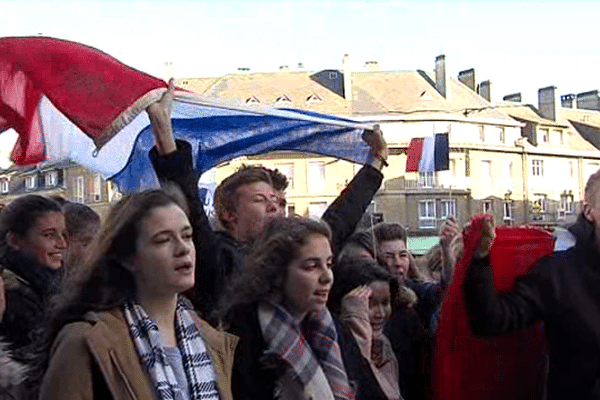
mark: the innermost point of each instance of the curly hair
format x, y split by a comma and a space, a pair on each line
351, 272
267, 262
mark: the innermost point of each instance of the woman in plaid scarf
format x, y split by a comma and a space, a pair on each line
123, 331
277, 306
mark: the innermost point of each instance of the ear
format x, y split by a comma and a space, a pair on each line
14, 241
230, 217
588, 212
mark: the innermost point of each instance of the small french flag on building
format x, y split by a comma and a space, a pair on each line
428, 154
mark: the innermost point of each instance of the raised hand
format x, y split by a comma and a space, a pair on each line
160, 118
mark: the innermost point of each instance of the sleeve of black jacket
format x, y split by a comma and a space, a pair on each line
178, 168
491, 313
346, 211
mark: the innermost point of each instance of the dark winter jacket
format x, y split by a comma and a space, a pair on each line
255, 377
28, 285
12, 374
219, 255
563, 290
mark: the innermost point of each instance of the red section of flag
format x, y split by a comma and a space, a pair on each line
510, 366
88, 86
413, 159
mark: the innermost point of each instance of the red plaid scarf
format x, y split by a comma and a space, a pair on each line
307, 347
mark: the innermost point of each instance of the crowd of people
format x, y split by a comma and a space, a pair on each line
152, 303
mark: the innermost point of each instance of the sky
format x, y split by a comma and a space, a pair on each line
518, 46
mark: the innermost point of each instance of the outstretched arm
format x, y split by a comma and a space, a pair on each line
348, 208
160, 118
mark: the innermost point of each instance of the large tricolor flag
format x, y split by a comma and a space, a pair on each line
68, 101
428, 154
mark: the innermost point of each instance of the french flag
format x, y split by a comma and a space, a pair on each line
68, 101
428, 154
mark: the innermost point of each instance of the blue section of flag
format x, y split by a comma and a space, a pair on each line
442, 152
218, 135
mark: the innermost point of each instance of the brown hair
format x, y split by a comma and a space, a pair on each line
225, 194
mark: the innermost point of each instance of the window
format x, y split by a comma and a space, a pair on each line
51, 179
507, 175
537, 168
252, 100
447, 208
97, 188
486, 169
481, 133
282, 99
427, 179
507, 212
427, 214
543, 136
558, 133
30, 182
288, 170
567, 204
539, 207
453, 167
80, 189
313, 98
502, 134
316, 210
333, 75
487, 207
290, 210
316, 176
4, 183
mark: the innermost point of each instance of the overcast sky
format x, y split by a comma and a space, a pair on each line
519, 46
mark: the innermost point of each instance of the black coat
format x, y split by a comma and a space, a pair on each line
219, 255
254, 376
563, 290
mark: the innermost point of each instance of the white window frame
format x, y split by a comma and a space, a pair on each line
544, 135
537, 168
487, 206
30, 182
427, 214
567, 204
316, 183
447, 208
79, 195
507, 211
97, 188
51, 178
427, 179
288, 170
4, 185
290, 210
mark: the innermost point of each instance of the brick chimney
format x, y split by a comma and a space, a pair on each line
568, 100
515, 97
347, 77
548, 102
589, 100
441, 76
467, 77
485, 90
284, 68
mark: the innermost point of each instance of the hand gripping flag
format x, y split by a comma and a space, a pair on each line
428, 154
68, 101
510, 366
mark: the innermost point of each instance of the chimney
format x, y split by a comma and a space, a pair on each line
347, 77
168, 71
440, 74
243, 69
467, 77
515, 97
485, 90
284, 68
372, 66
588, 100
300, 65
568, 100
548, 102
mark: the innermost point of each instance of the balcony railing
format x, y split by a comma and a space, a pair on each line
437, 183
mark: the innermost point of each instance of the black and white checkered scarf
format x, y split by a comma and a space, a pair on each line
196, 361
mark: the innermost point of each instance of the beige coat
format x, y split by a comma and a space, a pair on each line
103, 339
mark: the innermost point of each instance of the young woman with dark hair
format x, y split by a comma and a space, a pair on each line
123, 331
277, 306
32, 248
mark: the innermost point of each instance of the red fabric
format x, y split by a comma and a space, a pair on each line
413, 154
510, 366
88, 86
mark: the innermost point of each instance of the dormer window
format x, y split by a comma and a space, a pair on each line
333, 75
313, 98
283, 99
30, 182
51, 179
252, 100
